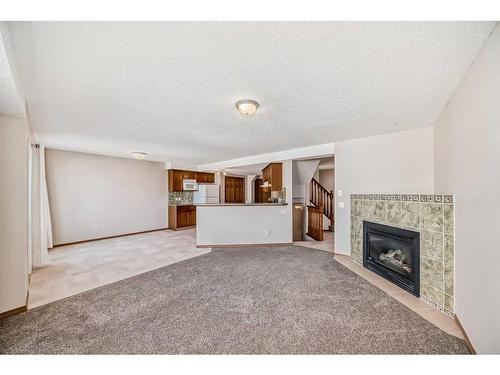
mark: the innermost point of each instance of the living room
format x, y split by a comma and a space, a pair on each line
205, 187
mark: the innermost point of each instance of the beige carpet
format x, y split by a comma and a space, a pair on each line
278, 300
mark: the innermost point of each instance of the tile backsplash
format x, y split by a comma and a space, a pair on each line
432, 215
180, 197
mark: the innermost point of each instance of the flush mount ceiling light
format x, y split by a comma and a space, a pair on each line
247, 107
139, 155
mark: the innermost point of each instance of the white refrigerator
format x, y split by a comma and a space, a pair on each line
206, 194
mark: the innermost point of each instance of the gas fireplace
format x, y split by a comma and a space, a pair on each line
394, 254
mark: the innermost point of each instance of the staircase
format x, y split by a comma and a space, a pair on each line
320, 197
322, 204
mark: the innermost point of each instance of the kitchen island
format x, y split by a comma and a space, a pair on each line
226, 224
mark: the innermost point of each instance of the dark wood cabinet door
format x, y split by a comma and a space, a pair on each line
192, 215
174, 180
257, 194
183, 216
191, 175
205, 178
273, 173
234, 189
200, 177
209, 178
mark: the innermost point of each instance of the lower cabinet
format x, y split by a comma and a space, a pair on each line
192, 215
181, 216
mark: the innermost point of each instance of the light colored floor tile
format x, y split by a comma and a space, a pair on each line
326, 244
78, 268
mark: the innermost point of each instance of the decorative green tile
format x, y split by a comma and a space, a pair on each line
432, 245
409, 214
448, 279
449, 252
357, 250
448, 198
379, 210
431, 293
431, 216
449, 303
358, 226
393, 212
353, 239
431, 272
449, 218
368, 209
357, 207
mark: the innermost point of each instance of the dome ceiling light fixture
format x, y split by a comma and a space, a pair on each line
247, 107
139, 155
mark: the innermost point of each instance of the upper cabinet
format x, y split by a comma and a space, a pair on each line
176, 176
273, 174
205, 178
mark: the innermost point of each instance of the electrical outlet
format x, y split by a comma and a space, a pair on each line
341, 204
266, 232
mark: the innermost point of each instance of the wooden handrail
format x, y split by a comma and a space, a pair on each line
320, 197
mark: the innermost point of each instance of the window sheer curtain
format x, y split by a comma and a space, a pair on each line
42, 225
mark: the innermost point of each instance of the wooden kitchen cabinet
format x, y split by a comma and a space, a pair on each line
205, 178
273, 174
181, 216
192, 215
176, 176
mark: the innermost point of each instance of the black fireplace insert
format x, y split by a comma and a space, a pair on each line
394, 254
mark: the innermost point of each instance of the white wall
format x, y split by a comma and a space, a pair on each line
249, 188
393, 163
467, 163
93, 196
15, 137
303, 172
326, 178
240, 224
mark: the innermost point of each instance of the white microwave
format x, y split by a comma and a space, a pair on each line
189, 184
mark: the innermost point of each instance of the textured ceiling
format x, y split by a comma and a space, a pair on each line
247, 170
169, 88
10, 99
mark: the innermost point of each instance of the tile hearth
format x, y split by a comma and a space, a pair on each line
432, 215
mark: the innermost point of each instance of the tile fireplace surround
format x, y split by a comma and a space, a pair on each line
432, 215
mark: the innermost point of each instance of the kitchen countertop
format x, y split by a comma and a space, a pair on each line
181, 204
241, 204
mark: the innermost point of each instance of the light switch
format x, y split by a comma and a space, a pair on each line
283, 212
340, 193
341, 204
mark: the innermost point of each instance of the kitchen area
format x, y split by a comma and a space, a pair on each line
233, 206
185, 188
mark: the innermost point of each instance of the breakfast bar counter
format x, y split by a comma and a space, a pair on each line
226, 224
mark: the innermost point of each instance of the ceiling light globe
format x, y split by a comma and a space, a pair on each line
247, 107
139, 155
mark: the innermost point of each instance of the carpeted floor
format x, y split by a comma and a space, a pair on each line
277, 300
